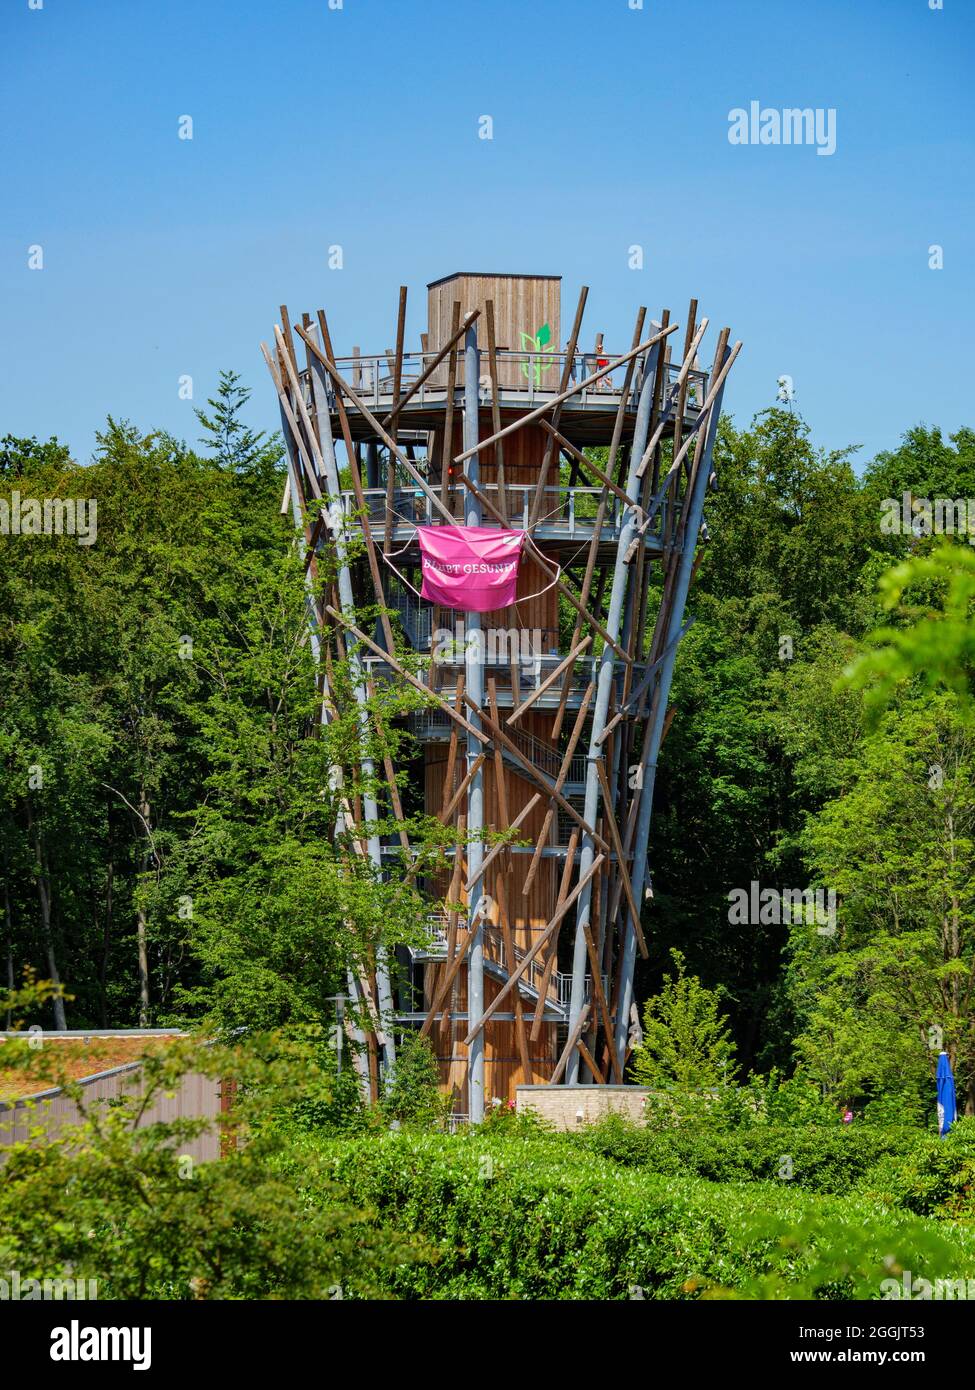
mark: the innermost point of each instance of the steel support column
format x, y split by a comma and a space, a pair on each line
474, 674
693, 516
607, 669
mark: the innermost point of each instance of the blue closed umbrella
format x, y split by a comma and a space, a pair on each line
947, 1109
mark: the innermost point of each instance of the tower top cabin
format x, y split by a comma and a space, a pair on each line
525, 306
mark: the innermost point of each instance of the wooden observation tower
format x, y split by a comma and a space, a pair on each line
543, 718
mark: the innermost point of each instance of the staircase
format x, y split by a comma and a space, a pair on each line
496, 964
415, 617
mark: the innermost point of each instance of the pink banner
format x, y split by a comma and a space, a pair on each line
469, 567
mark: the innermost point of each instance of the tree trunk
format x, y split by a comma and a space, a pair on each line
44, 898
107, 928
140, 918
9, 918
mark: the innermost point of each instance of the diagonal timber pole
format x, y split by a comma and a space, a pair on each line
604, 685
600, 515
374, 424
556, 401
347, 603
295, 497
693, 516
429, 370
570, 355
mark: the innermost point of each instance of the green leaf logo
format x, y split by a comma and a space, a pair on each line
537, 344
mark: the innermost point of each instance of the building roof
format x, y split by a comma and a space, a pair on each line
80, 1056
488, 275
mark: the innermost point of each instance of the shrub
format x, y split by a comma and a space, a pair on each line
341, 1109
543, 1218
899, 1165
414, 1096
931, 1176
686, 1043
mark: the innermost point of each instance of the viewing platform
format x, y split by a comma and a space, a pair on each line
434, 725
566, 524
526, 380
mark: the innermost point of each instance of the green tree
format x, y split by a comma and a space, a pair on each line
932, 639
140, 1217
898, 847
686, 1043
230, 441
414, 1097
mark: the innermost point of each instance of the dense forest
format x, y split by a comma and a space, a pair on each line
167, 834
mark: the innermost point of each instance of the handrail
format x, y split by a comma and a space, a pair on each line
531, 375
567, 510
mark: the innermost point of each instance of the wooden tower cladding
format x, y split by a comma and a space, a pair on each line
543, 721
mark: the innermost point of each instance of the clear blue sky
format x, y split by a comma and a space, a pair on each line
312, 126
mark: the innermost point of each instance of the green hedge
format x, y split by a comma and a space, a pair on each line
897, 1164
542, 1218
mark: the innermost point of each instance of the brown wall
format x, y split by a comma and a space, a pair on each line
522, 304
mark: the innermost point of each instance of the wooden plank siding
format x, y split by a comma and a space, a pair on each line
522, 304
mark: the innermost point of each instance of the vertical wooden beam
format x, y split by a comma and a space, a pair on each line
397, 374
448, 785
496, 409
550, 447
448, 428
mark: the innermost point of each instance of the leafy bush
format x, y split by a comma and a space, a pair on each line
543, 1218
900, 1165
686, 1040
790, 1100
502, 1118
117, 1200
414, 1097
338, 1108
932, 1176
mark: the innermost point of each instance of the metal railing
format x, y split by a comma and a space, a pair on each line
564, 824
559, 983
529, 378
531, 674
546, 758
566, 511
434, 725
415, 616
